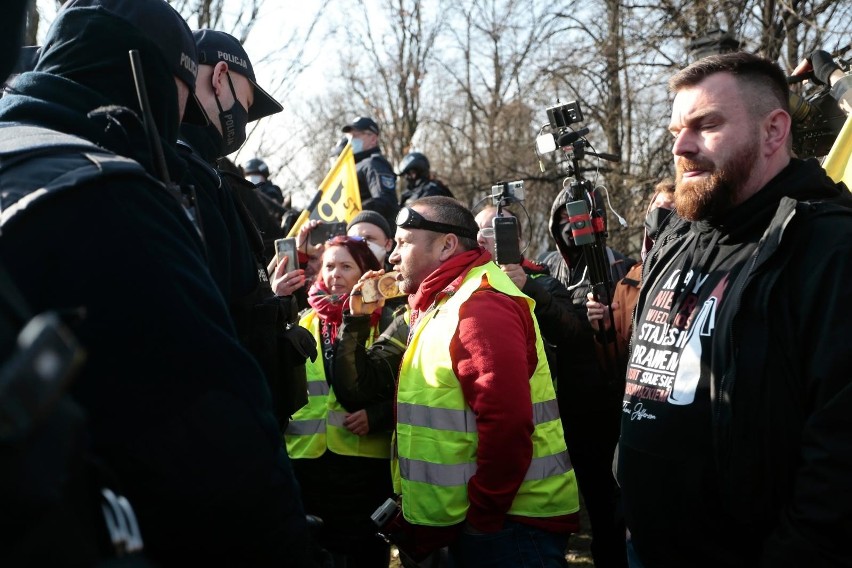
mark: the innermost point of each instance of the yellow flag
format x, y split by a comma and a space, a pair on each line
838, 163
338, 197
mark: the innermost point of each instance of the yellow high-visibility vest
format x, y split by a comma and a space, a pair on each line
436, 436
319, 424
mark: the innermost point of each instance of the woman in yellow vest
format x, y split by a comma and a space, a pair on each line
340, 442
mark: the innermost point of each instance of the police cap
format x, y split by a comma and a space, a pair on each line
362, 123
215, 46
167, 30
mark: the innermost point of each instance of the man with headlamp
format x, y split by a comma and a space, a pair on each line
485, 398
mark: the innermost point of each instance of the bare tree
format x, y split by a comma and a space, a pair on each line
491, 95
386, 73
212, 14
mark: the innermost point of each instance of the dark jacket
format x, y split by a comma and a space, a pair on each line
781, 393
266, 214
554, 310
271, 191
589, 391
423, 187
265, 323
578, 362
164, 366
228, 243
365, 377
377, 182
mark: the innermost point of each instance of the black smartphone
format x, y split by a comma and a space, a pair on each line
287, 247
507, 248
325, 231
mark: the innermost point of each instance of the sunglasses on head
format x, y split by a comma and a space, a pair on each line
408, 218
343, 239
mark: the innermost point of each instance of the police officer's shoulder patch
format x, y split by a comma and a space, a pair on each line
388, 182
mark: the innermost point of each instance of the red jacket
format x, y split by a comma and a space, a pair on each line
494, 355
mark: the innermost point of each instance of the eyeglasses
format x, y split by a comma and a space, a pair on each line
486, 233
408, 218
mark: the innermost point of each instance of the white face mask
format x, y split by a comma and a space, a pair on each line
255, 178
378, 250
357, 145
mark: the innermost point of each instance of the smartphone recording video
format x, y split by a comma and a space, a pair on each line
325, 231
287, 247
506, 240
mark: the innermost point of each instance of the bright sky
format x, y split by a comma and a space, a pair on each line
277, 21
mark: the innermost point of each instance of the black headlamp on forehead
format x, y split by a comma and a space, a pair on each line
408, 218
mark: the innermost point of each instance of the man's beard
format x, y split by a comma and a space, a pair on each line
407, 284
708, 198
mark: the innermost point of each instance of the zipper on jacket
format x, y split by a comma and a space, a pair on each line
723, 381
646, 264
726, 382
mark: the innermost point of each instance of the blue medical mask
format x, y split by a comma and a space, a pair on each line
357, 145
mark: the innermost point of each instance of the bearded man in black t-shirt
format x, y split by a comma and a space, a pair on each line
735, 422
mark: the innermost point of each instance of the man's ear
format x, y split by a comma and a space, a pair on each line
776, 130
373, 141
449, 246
219, 78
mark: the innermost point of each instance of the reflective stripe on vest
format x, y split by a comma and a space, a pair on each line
462, 420
319, 424
460, 474
436, 437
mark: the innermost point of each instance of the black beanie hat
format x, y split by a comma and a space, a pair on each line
373, 218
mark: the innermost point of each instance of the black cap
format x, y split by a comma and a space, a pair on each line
215, 46
363, 123
163, 26
167, 30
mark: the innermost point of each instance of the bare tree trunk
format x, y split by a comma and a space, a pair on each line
201, 14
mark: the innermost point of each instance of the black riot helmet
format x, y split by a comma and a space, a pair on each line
414, 162
256, 166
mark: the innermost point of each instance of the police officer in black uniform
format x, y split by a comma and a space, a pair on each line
376, 178
418, 182
278, 204
176, 408
235, 249
46, 507
257, 172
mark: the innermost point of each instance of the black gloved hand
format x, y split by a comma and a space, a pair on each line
823, 65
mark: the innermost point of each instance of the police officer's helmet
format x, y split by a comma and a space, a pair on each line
414, 162
256, 166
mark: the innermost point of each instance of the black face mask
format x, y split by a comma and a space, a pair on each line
655, 219
233, 122
567, 235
